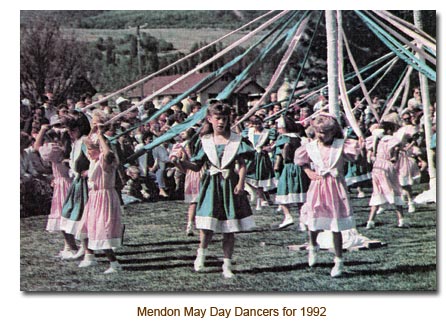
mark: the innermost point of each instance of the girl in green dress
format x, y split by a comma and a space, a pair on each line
222, 204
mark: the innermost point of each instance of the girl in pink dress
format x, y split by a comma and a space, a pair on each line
406, 165
192, 178
101, 227
386, 187
54, 151
327, 206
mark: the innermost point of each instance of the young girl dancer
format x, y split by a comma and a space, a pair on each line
328, 206
222, 204
386, 187
261, 177
55, 151
191, 180
101, 227
293, 183
406, 164
73, 207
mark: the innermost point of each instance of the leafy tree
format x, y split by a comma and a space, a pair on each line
48, 61
110, 51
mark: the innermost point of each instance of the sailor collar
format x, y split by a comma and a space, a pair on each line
262, 139
335, 153
229, 153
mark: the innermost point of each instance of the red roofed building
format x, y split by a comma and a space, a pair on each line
208, 90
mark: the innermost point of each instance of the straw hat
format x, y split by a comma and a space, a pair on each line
120, 100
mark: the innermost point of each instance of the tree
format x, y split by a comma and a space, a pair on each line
48, 61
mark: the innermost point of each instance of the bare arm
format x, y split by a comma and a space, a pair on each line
240, 187
184, 163
39, 139
106, 150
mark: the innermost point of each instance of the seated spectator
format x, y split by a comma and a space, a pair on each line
135, 189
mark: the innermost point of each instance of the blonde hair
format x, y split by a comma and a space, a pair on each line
92, 142
132, 169
327, 123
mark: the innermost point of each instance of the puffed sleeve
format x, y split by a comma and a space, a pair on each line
281, 141
245, 149
352, 150
51, 152
176, 150
392, 141
108, 167
199, 157
301, 157
272, 134
369, 141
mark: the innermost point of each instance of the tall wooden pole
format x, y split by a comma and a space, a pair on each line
138, 53
332, 62
424, 88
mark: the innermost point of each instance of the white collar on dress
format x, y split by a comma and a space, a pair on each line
335, 151
229, 153
262, 139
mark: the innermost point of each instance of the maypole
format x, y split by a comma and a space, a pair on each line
427, 118
332, 62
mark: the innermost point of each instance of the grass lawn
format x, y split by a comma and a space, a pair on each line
157, 256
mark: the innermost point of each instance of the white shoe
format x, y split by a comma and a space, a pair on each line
279, 209
67, 254
361, 195
302, 227
227, 273
312, 254
403, 223
411, 208
264, 203
258, 208
89, 260
286, 222
80, 253
370, 225
380, 210
114, 268
338, 268
199, 261
189, 230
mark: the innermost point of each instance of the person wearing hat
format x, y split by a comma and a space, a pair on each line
122, 103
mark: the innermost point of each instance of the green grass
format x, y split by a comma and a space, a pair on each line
157, 256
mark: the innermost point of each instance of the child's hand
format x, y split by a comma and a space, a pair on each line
312, 174
239, 189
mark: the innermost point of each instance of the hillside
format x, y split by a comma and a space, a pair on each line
154, 19
181, 38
